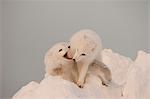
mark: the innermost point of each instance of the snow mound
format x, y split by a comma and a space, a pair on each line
57, 88
118, 65
130, 81
138, 81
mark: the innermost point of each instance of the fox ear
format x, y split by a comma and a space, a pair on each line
93, 46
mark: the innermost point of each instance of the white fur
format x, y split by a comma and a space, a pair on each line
57, 65
85, 42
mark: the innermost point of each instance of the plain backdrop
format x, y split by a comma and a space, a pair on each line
149, 26
0, 49
29, 28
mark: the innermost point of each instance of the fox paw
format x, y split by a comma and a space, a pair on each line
106, 83
80, 85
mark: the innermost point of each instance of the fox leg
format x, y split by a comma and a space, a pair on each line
102, 71
82, 68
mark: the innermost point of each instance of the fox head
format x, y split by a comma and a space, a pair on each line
56, 57
59, 51
84, 49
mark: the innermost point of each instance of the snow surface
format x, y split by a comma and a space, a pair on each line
131, 80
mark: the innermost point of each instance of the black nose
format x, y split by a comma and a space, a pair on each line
73, 59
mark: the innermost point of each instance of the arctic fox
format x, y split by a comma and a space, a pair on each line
85, 48
58, 64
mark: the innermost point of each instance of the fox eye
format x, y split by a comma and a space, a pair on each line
68, 46
60, 50
83, 54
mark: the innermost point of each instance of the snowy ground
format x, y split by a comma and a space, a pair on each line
131, 80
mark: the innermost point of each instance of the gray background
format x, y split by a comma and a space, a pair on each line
149, 26
30, 27
0, 50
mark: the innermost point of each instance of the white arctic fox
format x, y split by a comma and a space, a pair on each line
58, 64
85, 48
